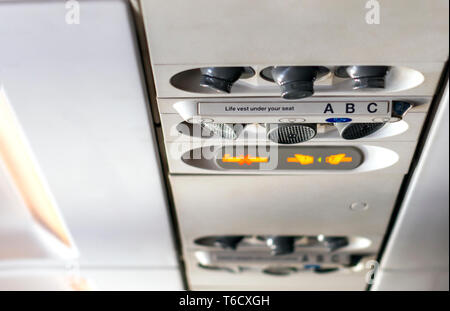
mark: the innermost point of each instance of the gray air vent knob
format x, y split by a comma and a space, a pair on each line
335, 243
220, 78
295, 81
281, 245
364, 76
228, 242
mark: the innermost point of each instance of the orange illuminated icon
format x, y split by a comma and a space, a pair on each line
247, 159
17, 158
302, 159
336, 159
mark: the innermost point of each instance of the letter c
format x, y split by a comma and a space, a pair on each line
372, 110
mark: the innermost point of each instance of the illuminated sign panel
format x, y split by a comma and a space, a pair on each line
279, 158
319, 158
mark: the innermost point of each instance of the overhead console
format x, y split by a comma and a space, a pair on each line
279, 144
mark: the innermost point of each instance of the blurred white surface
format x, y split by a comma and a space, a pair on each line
417, 254
91, 279
79, 94
20, 235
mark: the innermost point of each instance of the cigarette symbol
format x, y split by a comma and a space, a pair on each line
247, 159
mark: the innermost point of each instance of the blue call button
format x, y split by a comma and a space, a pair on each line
338, 120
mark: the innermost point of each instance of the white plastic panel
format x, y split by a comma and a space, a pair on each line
412, 280
417, 254
292, 32
284, 205
47, 279
79, 94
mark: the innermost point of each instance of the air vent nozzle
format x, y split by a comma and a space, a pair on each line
293, 133
358, 130
364, 76
220, 78
224, 130
281, 245
229, 242
295, 81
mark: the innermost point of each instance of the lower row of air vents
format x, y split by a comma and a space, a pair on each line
277, 244
281, 270
280, 254
286, 133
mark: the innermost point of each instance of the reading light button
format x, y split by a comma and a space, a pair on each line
381, 120
291, 120
359, 206
198, 120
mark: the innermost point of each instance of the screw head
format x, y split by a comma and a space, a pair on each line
359, 206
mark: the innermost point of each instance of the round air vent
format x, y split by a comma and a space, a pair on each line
358, 130
224, 130
193, 130
291, 133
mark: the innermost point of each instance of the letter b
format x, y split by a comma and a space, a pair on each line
349, 108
